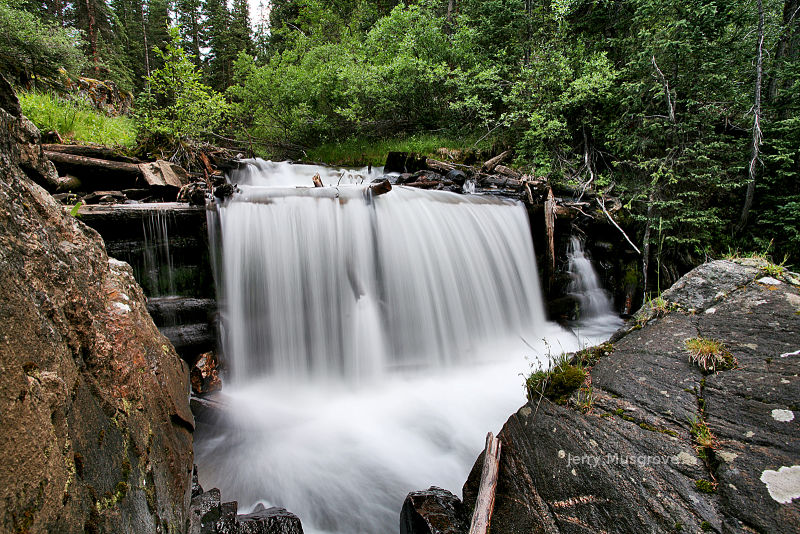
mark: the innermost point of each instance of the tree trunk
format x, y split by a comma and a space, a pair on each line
92, 35
646, 246
754, 149
146, 47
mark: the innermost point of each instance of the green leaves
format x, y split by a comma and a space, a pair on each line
176, 103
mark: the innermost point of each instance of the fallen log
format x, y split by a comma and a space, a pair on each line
425, 185
495, 161
439, 166
380, 187
484, 504
96, 173
507, 171
90, 151
499, 181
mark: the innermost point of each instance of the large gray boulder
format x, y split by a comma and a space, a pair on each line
95, 425
632, 462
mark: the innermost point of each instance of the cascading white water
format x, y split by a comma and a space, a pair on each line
596, 309
158, 269
371, 342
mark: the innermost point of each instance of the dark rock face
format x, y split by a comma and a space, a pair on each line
95, 425
632, 463
433, 511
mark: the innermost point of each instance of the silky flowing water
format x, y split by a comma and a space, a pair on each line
370, 342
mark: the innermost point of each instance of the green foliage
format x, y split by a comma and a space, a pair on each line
177, 104
557, 383
76, 120
32, 51
705, 486
360, 151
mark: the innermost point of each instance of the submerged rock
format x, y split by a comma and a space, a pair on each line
665, 447
96, 430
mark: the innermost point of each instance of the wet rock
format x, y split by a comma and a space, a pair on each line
270, 521
631, 463
197, 489
205, 374
96, 426
433, 511
204, 512
224, 191
456, 176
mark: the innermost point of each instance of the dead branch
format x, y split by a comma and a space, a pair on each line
628, 239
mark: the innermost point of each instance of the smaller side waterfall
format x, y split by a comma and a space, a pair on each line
585, 285
157, 269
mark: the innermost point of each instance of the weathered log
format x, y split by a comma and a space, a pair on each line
190, 340
495, 161
169, 311
439, 166
90, 151
507, 171
425, 184
484, 504
550, 227
96, 173
317, 181
164, 175
499, 181
380, 187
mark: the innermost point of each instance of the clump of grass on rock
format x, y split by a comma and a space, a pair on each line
709, 354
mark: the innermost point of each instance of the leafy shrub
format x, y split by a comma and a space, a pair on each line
177, 104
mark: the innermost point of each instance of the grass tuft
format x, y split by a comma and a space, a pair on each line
76, 120
710, 355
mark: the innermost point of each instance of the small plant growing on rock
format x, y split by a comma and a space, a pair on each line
710, 355
556, 383
703, 438
705, 486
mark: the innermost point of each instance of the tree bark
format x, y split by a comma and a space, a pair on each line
755, 147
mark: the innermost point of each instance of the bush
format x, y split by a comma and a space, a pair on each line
177, 105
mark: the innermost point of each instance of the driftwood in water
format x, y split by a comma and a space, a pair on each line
380, 187
550, 226
484, 504
317, 181
89, 151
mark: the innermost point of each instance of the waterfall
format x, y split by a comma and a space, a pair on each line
596, 309
370, 342
157, 269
